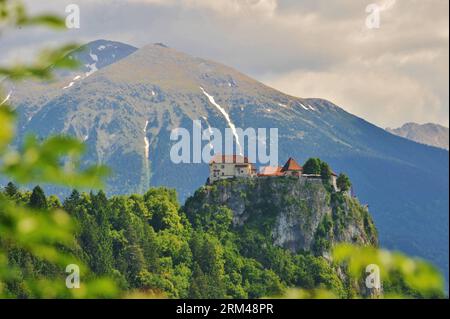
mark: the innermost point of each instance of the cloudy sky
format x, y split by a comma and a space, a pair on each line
389, 75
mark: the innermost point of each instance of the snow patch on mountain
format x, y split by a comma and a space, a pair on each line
78, 77
303, 106
227, 118
6, 98
97, 57
94, 57
146, 142
69, 85
92, 67
146, 175
310, 107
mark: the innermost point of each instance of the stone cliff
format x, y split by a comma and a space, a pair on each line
296, 214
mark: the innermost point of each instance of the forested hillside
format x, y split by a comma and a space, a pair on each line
148, 243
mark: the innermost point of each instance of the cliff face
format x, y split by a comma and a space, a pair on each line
297, 214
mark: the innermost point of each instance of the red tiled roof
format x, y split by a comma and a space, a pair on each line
235, 159
270, 171
291, 165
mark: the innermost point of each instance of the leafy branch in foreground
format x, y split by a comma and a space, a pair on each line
44, 237
415, 276
400, 276
13, 14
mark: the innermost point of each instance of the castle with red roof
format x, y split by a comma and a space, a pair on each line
235, 166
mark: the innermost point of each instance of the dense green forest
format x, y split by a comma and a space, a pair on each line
147, 244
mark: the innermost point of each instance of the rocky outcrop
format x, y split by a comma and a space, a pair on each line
297, 214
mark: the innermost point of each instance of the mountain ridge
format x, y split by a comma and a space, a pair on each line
429, 133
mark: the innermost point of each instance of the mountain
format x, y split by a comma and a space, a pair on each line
95, 56
430, 134
92, 57
125, 113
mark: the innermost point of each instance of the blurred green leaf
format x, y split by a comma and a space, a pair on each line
7, 126
14, 13
47, 20
47, 237
417, 274
44, 66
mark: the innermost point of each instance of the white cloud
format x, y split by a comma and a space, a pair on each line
370, 96
320, 48
226, 7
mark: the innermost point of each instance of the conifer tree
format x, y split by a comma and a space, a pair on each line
38, 199
11, 189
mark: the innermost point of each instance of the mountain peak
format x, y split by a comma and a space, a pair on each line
102, 53
92, 57
107, 43
176, 71
429, 133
